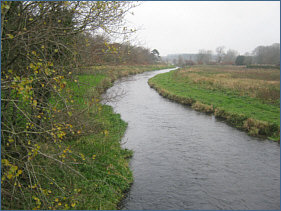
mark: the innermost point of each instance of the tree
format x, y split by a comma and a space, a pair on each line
155, 55
209, 54
267, 54
180, 61
204, 56
220, 53
201, 55
43, 43
155, 52
230, 55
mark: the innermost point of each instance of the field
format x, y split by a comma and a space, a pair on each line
248, 98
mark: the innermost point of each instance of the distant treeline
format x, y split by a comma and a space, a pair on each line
260, 55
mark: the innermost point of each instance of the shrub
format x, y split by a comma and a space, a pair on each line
243, 60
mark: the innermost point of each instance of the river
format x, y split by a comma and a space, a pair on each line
188, 160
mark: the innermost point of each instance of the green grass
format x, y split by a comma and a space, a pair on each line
236, 107
108, 174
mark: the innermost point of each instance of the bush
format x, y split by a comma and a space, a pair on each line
243, 60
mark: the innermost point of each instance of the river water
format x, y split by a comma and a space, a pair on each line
188, 160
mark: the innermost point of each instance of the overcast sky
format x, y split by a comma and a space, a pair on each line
187, 26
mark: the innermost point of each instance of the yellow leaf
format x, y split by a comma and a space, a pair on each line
11, 140
56, 199
10, 176
73, 204
10, 36
35, 102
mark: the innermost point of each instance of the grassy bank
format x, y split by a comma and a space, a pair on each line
247, 98
85, 167
107, 170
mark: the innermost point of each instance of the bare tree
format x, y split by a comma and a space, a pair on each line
230, 55
204, 56
180, 61
220, 53
267, 54
201, 55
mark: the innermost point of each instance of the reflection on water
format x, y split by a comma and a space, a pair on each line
184, 159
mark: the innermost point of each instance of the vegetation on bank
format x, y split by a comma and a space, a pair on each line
247, 98
89, 170
60, 148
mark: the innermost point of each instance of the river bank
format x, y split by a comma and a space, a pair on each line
106, 164
248, 99
81, 165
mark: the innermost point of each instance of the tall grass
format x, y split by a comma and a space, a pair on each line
257, 83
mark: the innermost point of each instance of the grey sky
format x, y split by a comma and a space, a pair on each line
187, 26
